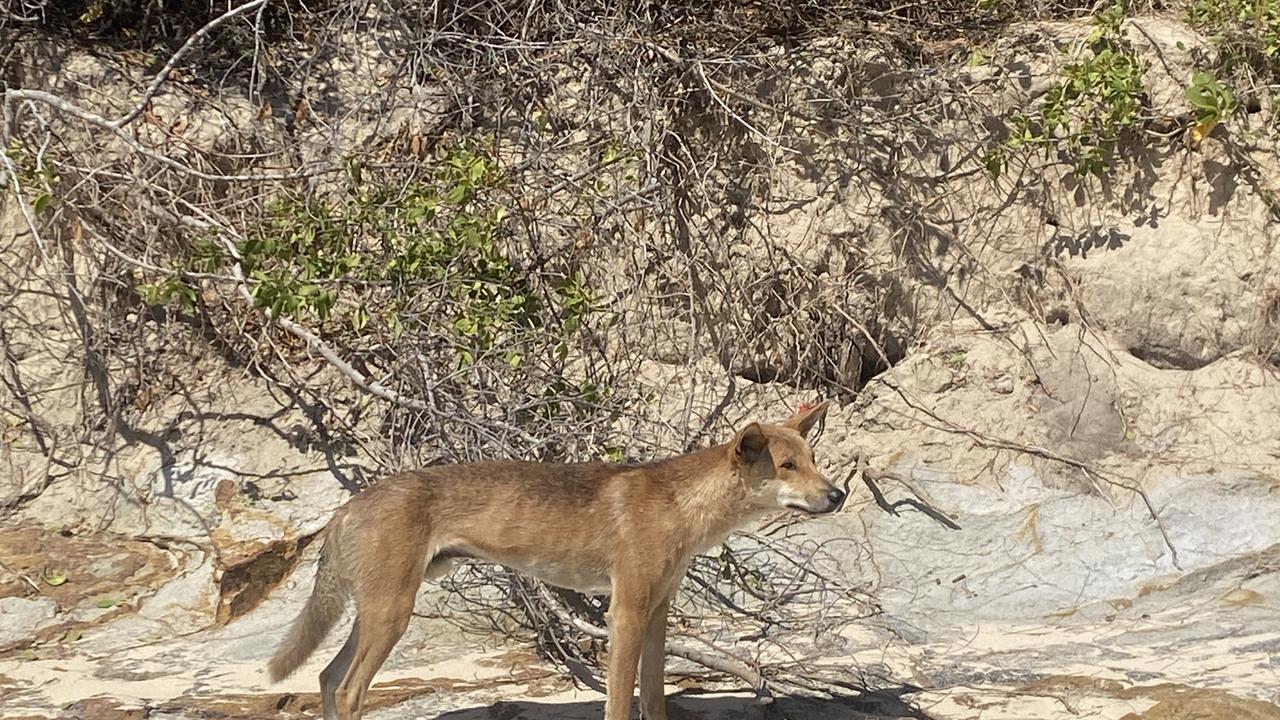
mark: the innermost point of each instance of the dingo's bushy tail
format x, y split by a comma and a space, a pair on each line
323, 609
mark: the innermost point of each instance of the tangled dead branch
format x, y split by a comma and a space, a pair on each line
776, 590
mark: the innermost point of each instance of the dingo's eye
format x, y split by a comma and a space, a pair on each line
788, 465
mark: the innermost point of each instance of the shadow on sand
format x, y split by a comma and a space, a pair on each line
687, 705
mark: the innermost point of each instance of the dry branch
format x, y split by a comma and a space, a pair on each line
870, 476
711, 658
196, 38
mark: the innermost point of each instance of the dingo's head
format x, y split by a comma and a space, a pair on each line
778, 465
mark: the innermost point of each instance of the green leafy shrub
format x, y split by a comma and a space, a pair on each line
1082, 117
400, 254
1248, 31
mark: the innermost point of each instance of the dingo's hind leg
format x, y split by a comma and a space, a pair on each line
384, 590
333, 674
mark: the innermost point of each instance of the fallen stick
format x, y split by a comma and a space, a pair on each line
869, 478
712, 659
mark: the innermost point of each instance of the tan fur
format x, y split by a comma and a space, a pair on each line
625, 531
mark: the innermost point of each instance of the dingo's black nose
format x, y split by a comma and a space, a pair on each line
836, 496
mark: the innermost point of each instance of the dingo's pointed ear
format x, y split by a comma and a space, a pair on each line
806, 417
750, 443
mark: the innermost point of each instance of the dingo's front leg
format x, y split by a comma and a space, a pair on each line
653, 660
628, 617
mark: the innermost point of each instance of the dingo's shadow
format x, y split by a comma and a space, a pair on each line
688, 705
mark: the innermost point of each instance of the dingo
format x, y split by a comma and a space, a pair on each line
628, 531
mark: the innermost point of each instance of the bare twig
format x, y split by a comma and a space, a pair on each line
21, 576
869, 477
195, 38
12, 98
710, 658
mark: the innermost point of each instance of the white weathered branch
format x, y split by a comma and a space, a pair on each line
191, 42
59, 103
719, 660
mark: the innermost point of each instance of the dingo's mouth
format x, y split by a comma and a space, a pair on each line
808, 510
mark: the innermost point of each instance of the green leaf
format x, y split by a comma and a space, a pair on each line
993, 160
359, 318
323, 304
40, 203
456, 195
